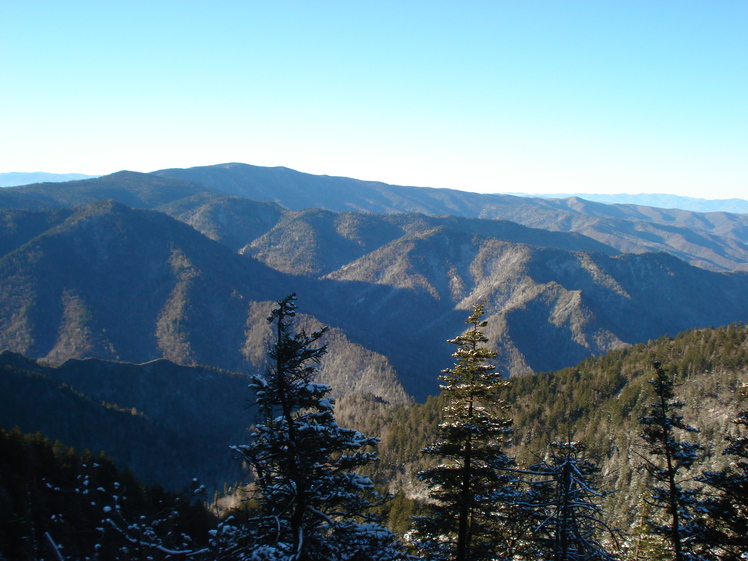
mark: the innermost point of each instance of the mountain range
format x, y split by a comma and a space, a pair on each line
714, 240
185, 264
659, 200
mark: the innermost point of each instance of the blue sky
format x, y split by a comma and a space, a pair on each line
531, 96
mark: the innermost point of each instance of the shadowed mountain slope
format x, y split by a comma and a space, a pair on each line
168, 423
18, 226
117, 283
233, 221
122, 284
542, 304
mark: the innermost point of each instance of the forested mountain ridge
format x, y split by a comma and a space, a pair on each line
597, 402
113, 282
715, 240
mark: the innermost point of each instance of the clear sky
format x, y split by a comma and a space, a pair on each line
554, 96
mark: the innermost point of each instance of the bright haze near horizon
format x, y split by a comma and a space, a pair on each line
488, 96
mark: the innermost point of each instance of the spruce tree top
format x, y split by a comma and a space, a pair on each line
472, 376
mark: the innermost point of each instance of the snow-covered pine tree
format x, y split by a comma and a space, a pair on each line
669, 460
471, 492
569, 522
726, 511
312, 506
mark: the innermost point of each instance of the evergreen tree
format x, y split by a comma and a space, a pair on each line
472, 491
670, 459
311, 505
643, 543
569, 518
727, 511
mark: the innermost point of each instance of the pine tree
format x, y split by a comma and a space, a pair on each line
643, 543
472, 490
670, 459
566, 504
726, 512
312, 506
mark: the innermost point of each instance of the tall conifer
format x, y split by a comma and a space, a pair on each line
669, 460
312, 505
471, 488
